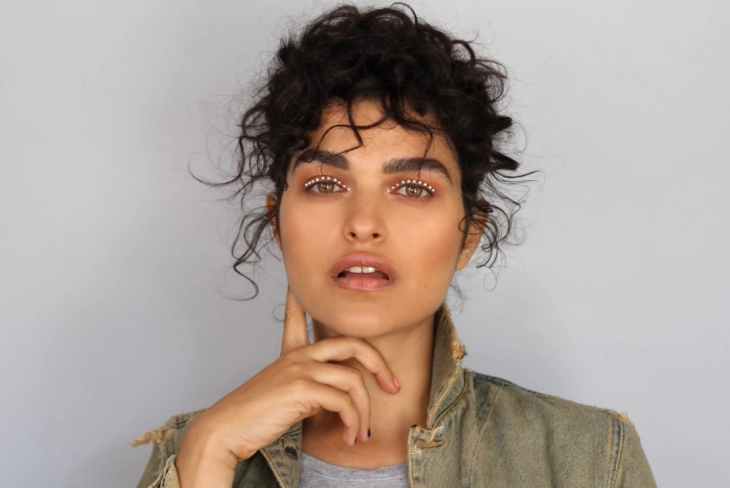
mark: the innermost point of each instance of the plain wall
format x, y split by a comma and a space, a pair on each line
114, 261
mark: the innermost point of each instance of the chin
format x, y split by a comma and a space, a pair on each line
353, 324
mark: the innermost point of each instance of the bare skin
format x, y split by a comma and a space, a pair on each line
417, 231
343, 386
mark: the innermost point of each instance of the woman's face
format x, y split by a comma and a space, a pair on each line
365, 216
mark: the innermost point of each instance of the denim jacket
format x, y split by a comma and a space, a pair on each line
480, 431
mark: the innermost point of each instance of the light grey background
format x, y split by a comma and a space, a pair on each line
114, 260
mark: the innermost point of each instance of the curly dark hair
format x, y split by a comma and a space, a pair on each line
389, 56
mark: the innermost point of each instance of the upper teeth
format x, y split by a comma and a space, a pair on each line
361, 269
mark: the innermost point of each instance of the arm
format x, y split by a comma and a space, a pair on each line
304, 380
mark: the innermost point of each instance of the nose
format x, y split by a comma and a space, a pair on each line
364, 220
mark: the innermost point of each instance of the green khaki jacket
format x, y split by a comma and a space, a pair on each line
481, 431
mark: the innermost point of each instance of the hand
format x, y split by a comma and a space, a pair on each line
299, 384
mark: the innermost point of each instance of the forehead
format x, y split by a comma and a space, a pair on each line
380, 138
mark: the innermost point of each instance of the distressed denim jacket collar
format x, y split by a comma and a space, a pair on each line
447, 383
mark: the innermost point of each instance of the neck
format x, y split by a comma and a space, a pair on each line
408, 352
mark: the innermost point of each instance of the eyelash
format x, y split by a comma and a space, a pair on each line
325, 179
401, 184
417, 183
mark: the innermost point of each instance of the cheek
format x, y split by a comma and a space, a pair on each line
304, 234
431, 247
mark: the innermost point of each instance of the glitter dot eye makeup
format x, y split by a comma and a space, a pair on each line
418, 185
325, 179
412, 183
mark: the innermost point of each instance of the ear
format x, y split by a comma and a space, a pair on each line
471, 244
271, 212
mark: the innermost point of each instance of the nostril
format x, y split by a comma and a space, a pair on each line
362, 235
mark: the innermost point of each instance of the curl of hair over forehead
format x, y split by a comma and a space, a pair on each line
386, 55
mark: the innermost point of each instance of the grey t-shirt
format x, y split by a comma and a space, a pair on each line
319, 474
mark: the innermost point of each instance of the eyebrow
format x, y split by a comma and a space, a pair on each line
391, 166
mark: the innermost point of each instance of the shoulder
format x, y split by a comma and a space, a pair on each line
503, 397
585, 442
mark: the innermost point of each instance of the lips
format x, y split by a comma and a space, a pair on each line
348, 271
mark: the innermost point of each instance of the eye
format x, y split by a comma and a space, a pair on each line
412, 189
325, 184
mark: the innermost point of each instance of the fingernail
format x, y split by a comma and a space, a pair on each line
395, 382
368, 433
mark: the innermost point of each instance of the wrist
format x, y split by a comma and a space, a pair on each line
203, 460
206, 472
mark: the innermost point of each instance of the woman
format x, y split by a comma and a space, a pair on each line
379, 134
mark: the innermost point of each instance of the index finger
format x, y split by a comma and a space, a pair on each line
295, 325
342, 348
